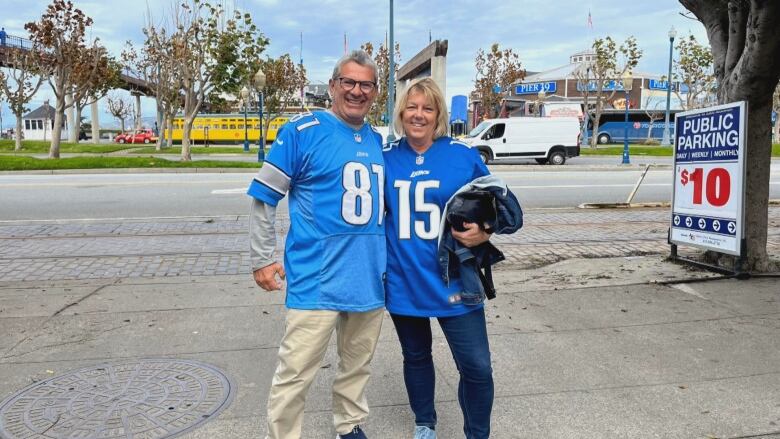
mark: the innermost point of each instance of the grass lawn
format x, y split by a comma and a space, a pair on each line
19, 163
42, 147
653, 150
197, 150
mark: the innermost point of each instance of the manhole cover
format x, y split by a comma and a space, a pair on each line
149, 399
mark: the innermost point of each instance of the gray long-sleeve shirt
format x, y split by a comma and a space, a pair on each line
262, 234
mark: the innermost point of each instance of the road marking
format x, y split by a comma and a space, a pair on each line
687, 289
241, 190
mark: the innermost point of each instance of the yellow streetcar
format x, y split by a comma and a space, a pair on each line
229, 128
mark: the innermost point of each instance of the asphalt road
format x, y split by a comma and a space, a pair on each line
87, 196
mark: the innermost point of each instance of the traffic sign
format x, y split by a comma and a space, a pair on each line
709, 170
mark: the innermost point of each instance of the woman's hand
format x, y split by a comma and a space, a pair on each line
472, 237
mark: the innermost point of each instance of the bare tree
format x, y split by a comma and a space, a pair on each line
212, 51
653, 114
497, 70
22, 82
156, 65
284, 80
98, 74
693, 68
120, 108
746, 54
597, 78
377, 114
61, 34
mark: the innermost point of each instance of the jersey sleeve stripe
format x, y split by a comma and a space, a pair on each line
455, 142
274, 178
303, 126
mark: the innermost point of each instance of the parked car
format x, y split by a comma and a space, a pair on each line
545, 139
137, 136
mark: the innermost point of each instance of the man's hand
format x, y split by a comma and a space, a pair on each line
472, 237
266, 277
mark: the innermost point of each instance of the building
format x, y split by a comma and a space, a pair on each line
561, 86
38, 124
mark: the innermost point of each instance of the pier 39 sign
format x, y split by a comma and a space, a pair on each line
709, 169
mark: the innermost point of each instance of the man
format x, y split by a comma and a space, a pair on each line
331, 164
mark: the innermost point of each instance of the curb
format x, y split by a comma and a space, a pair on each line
640, 205
133, 171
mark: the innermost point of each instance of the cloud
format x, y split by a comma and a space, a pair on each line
544, 33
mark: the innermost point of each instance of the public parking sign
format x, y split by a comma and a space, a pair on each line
709, 169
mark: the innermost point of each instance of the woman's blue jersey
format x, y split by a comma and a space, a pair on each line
417, 190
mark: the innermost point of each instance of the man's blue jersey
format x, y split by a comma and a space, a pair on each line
335, 254
417, 190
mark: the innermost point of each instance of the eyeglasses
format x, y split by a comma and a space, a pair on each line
348, 84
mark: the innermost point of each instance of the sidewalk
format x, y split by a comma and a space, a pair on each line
593, 334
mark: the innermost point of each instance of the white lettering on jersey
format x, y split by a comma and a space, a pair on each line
405, 214
419, 173
357, 201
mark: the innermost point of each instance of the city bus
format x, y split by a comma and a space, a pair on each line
612, 126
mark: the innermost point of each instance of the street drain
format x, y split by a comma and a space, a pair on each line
150, 399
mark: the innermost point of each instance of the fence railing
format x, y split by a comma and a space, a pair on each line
17, 42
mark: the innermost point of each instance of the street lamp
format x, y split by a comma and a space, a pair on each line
665, 139
243, 102
540, 100
259, 82
627, 85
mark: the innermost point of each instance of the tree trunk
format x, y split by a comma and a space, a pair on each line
18, 134
75, 127
185, 139
170, 130
776, 130
757, 163
162, 122
594, 134
56, 132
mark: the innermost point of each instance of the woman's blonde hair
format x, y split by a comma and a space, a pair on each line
428, 88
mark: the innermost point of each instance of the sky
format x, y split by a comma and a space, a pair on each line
542, 32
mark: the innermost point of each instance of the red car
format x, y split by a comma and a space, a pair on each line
139, 136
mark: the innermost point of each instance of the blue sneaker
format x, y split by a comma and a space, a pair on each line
423, 432
356, 433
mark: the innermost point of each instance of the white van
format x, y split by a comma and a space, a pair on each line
545, 139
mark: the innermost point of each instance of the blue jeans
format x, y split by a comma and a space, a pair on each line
467, 337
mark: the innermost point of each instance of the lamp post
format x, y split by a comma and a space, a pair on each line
540, 100
665, 139
627, 85
259, 82
243, 102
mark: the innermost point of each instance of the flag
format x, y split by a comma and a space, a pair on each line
590, 20
345, 43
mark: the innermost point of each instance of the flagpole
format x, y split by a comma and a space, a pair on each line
303, 94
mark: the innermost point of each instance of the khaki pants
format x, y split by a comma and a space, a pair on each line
301, 351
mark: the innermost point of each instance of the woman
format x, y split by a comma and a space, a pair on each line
423, 170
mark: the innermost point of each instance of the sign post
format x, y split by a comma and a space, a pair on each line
709, 181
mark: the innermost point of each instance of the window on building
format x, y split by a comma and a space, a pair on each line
26, 124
